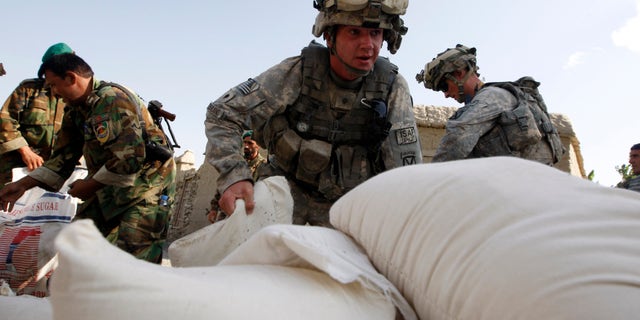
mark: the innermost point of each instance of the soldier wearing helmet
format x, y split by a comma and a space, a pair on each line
498, 119
330, 118
457, 65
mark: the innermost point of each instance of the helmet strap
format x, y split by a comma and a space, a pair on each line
460, 83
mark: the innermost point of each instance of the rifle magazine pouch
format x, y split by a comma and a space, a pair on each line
314, 158
286, 149
493, 143
354, 166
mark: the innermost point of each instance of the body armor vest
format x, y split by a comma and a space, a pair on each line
329, 139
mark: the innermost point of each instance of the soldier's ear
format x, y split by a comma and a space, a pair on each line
70, 77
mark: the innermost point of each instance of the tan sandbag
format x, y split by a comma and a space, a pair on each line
96, 280
499, 238
209, 245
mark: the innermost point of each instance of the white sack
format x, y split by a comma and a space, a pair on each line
499, 238
96, 280
25, 307
32, 195
209, 245
318, 248
27, 255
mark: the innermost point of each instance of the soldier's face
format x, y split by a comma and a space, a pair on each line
64, 87
451, 89
251, 148
356, 47
634, 161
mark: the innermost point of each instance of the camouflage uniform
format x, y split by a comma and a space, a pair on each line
263, 102
254, 164
473, 131
30, 117
633, 183
107, 131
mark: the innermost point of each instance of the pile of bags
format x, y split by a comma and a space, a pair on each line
491, 238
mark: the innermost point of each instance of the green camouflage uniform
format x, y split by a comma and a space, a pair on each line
269, 98
254, 164
30, 117
107, 131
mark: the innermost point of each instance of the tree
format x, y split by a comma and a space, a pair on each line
624, 171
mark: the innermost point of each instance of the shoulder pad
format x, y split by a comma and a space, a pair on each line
32, 81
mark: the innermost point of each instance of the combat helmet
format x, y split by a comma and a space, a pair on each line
384, 14
440, 68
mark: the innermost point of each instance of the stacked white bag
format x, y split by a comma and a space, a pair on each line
499, 238
280, 272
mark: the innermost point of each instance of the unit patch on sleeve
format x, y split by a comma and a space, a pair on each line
101, 128
406, 136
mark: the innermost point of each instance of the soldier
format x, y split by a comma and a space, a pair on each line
29, 120
633, 182
252, 153
130, 180
330, 118
495, 120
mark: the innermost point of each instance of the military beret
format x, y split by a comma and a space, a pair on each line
248, 133
58, 48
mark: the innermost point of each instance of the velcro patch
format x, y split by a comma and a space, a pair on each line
406, 136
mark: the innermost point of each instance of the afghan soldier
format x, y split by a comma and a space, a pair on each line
131, 171
330, 118
251, 151
29, 120
498, 119
633, 182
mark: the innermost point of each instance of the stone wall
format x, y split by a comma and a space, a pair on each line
196, 187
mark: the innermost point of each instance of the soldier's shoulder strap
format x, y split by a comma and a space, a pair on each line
133, 99
315, 66
32, 82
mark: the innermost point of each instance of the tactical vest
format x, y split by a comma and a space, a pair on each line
330, 139
529, 121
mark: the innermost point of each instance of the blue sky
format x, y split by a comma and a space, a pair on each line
586, 54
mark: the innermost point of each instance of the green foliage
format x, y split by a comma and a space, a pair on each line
591, 175
624, 171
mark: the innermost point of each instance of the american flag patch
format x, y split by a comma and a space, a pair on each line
247, 87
